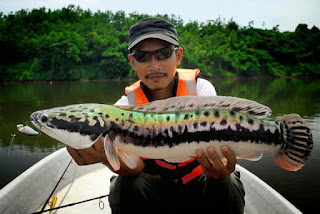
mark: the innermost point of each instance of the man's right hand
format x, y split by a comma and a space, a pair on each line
91, 155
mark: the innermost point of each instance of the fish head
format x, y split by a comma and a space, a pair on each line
42, 120
78, 126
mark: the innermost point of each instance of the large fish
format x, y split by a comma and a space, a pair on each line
173, 129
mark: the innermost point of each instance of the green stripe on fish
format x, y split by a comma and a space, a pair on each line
173, 129
197, 125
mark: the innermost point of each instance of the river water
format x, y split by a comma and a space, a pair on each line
283, 96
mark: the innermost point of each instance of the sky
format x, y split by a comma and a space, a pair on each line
264, 13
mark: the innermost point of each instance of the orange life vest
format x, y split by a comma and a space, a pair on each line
186, 85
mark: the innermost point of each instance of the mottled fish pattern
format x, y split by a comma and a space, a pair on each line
173, 129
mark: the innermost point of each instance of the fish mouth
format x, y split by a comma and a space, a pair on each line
34, 119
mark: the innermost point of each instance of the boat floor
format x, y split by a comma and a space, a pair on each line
92, 185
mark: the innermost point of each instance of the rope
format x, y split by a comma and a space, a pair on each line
72, 204
9, 152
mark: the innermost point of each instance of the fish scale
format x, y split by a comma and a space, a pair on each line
173, 129
200, 126
194, 121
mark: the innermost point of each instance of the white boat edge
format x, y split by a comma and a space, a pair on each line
30, 190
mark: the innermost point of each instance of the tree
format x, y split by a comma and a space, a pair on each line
72, 43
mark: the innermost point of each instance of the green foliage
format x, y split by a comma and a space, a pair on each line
72, 43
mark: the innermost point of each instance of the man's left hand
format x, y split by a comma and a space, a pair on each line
213, 166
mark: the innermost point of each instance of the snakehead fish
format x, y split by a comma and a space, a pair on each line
173, 129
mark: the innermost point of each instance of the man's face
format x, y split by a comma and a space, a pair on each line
156, 74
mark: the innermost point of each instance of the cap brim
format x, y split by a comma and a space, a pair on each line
154, 36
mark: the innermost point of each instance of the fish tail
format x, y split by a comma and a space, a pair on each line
297, 144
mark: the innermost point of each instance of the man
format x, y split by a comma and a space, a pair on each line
157, 186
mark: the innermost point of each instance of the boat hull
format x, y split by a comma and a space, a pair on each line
31, 190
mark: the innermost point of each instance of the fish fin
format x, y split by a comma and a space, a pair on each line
128, 158
298, 142
203, 102
177, 160
127, 107
111, 153
252, 156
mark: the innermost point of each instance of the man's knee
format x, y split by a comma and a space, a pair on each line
123, 186
228, 193
127, 190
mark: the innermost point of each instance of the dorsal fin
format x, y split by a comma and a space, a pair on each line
203, 102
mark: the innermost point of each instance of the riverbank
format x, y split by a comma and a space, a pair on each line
70, 43
131, 79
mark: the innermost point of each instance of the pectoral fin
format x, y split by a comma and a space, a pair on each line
111, 153
129, 159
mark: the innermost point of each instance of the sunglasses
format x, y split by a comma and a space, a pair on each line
160, 54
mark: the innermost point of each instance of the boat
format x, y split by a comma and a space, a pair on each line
58, 183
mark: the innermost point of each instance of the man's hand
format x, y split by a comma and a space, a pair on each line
213, 166
91, 155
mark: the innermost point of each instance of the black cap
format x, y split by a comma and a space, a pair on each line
152, 28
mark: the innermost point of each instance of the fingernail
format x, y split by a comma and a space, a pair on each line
198, 153
211, 150
224, 149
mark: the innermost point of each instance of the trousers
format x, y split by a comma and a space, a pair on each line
148, 194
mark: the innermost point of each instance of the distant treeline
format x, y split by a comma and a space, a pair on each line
72, 43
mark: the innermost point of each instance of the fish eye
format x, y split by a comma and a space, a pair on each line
44, 118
